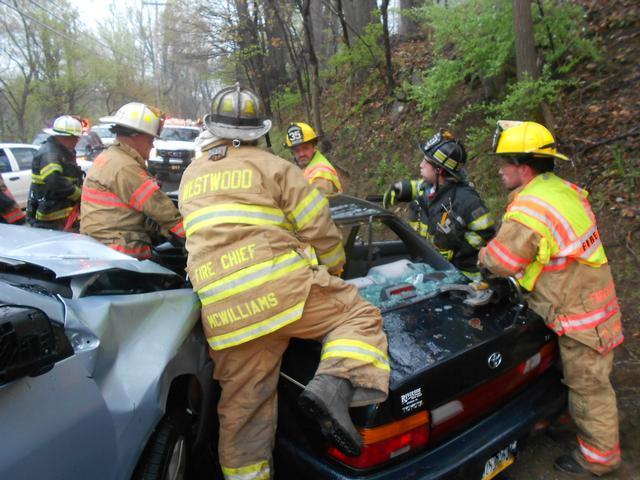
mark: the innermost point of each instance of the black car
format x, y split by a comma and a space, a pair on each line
471, 379
472, 374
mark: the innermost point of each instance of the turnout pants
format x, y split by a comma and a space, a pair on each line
354, 348
592, 404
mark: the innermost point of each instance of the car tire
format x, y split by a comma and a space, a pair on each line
166, 455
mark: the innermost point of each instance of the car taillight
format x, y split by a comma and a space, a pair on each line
381, 444
455, 414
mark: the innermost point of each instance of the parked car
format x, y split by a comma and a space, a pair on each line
103, 130
15, 165
88, 148
470, 380
173, 151
40, 138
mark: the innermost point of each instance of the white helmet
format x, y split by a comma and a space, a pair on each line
236, 113
65, 126
139, 117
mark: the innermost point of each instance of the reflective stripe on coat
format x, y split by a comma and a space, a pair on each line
321, 174
121, 202
250, 218
571, 284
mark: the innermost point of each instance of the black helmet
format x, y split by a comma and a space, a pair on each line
444, 151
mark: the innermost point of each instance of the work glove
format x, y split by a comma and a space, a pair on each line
504, 288
398, 192
176, 241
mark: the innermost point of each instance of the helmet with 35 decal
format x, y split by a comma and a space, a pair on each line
299, 133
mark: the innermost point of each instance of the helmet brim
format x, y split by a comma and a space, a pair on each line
552, 156
437, 164
232, 132
51, 131
117, 121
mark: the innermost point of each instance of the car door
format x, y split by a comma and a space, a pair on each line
20, 179
8, 175
54, 423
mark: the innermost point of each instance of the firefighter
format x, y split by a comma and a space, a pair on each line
122, 205
550, 242
56, 178
10, 212
263, 255
302, 140
445, 209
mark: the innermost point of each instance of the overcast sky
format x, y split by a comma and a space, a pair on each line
93, 11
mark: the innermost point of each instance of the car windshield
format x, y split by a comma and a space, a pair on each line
88, 143
179, 134
103, 132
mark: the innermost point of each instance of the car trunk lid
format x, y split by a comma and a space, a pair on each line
451, 364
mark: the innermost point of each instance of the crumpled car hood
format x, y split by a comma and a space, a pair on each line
66, 254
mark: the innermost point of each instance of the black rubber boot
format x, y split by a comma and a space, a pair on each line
569, 465
326, 399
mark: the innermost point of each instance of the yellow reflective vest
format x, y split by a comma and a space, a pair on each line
550, 242
255, 230
322, 175
560, 213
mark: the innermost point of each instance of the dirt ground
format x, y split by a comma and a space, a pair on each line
537, 456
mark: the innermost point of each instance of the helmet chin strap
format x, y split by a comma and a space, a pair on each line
438, 171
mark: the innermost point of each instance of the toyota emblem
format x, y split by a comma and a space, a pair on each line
494, 360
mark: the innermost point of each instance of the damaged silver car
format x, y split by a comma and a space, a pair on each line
104, 373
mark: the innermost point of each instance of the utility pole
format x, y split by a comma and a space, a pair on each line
156, 78
156, 5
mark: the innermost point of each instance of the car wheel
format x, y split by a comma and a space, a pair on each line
166, 455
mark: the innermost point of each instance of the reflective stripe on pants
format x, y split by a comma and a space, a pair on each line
248, 373
592, 403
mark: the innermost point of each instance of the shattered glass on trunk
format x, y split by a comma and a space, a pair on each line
426, 342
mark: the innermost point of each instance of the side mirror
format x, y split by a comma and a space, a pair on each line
27, 343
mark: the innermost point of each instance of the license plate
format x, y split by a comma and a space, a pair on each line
500, 461
175, 167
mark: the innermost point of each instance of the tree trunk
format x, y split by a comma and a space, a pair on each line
295, 61
526, 58
343, 24
249, 42
407, 27
359, 14
525, 43
324, 47
384, 8
313, 64
276, 48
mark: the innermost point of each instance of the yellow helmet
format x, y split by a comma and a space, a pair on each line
524, 139
299, 133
